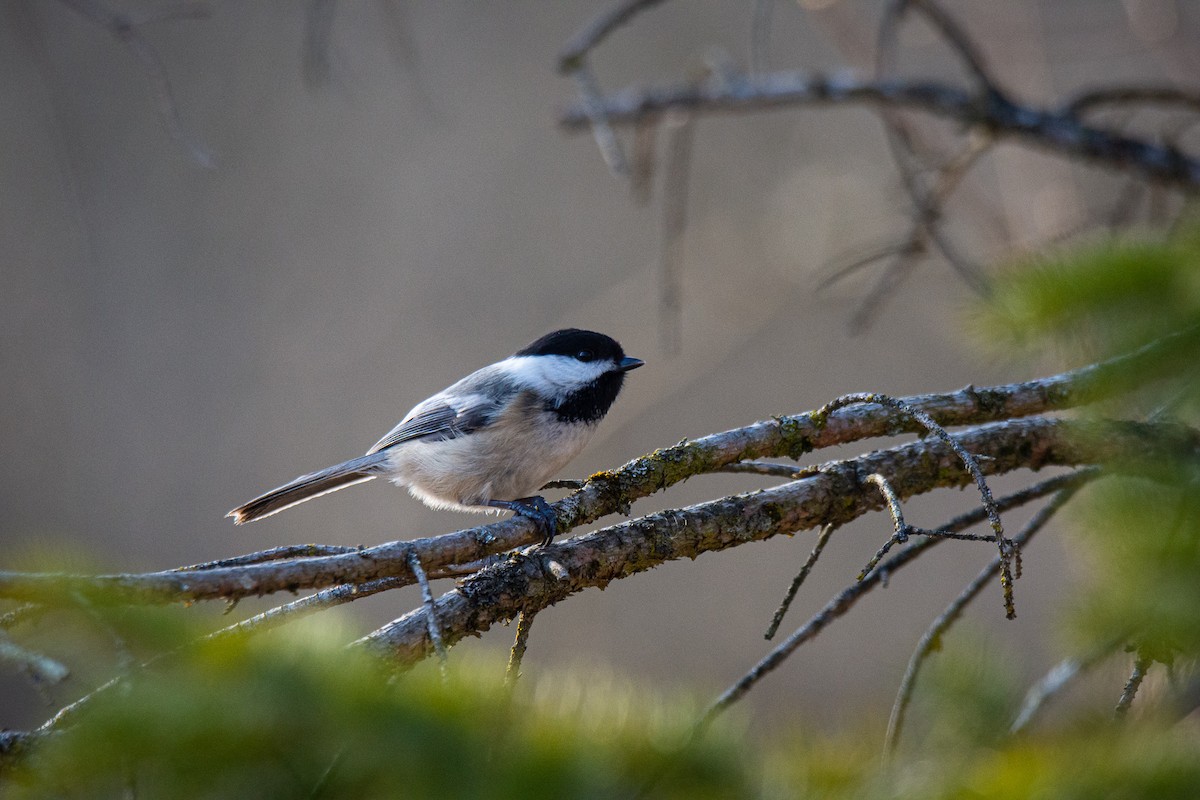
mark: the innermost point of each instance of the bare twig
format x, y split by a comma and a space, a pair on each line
931, 639
641, 175
435, 632
606, 138
885, 286
524, 622
598, 30
798, 581
680, 131
40, 667
1053, 682
282, 553
846, 599
267, 620
952, 33
125, 29
925, 229
1093, 99
1140, 664
317, 601
900, 527
893, 249
901, 536
1005, 545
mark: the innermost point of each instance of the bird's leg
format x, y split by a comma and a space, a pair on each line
536, 509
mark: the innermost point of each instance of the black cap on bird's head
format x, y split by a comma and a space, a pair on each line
583, 346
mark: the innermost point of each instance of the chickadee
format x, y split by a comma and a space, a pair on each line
489, 441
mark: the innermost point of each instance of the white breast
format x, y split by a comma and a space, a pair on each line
510, 459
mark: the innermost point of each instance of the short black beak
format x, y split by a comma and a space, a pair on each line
628, 363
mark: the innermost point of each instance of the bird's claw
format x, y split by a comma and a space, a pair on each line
536, 509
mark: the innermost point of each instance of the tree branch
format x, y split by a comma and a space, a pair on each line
833, 493
1053, 130
932, 638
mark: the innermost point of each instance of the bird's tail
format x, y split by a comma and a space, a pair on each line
306, 487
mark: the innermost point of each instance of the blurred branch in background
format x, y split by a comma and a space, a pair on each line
126, 29
987, 113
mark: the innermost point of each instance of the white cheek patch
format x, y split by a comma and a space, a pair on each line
555, 375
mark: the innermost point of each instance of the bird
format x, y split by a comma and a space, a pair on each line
490, 441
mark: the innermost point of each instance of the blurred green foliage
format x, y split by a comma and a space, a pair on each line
298, 715
1138, 533
1113, 294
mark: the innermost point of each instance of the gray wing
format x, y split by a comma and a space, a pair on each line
437, 420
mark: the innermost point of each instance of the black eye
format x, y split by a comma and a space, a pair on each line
585, 356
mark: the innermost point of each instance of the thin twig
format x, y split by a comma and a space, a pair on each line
435, 632
317, 601
925, 229
846, 599
323, 781
900, 528
1005, 545
837, 273
282, 553
901, 138
1053, 682
885, 286
596, 31
932, 638
125, 29
641, 170
955, 36
606, 138
520, 644
41, 668
1140, 664
798, 581
680, 132
908, 531
1092, 99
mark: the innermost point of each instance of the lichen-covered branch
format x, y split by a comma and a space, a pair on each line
832, 493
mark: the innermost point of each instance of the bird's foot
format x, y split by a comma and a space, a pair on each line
536, 509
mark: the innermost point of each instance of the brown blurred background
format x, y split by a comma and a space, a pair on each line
176, 339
